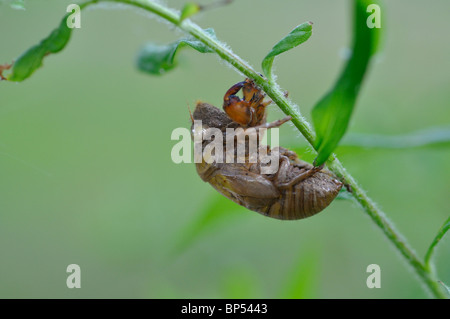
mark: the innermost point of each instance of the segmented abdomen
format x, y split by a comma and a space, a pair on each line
306, 198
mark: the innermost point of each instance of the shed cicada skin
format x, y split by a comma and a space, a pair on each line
296, 190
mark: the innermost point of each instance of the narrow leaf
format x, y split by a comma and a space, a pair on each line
219, 210
445, 227
301, 281
189, 10
296, 37
344, 195
424, 138
32, 59
332, 113
241, 282
158, 59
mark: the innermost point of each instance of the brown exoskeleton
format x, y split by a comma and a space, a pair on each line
296, 190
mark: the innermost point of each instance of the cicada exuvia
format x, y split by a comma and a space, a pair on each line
295, 190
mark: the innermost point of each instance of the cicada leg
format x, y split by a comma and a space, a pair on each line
237, 109
268, 102
273, 124
251, 93
283, 170
300, 177
268, 126
288, 153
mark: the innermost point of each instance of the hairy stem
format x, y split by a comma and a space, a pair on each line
445, 227
426, 274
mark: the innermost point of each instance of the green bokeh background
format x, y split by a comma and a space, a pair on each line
86, 175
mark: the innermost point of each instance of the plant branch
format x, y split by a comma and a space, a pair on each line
428, 257
426, 274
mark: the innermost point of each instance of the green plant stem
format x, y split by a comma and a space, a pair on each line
445, 227
426, 274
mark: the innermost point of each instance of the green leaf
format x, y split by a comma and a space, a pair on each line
344, 195
32, 59
445, 227
296, 37
241, 282
219, 210
429, 137
189, 10
158, 59
301, 281
332, 113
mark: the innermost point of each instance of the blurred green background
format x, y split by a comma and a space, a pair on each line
86, 175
